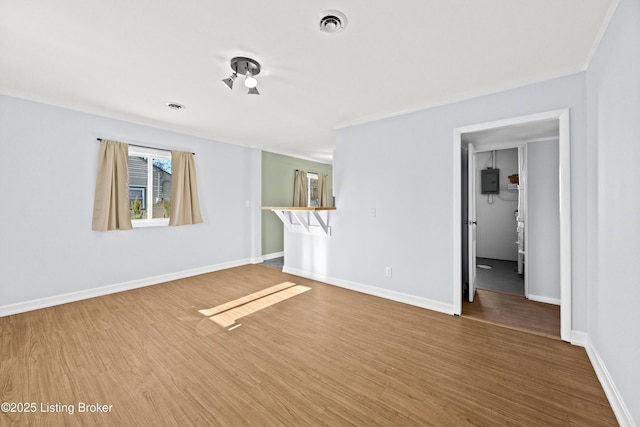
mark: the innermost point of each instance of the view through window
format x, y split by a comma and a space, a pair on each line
313, 196
149, 185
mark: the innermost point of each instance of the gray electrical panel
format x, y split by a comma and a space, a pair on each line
490, 180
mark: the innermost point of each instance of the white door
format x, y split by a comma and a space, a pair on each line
471, 176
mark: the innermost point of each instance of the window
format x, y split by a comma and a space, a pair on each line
149, 186
137, 193
313, 196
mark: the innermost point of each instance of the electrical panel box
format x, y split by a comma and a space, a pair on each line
490, 181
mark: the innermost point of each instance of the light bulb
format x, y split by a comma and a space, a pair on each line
249, 80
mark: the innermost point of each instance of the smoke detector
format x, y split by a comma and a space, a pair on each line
332, 21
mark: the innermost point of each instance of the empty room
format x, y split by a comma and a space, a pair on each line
287, 213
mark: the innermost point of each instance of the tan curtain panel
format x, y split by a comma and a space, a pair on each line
300, 189
185, 205
111, 201
322, 189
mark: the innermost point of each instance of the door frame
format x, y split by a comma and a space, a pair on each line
564, 173
472, 229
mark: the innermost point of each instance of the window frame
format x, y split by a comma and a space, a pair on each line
143, 199
150, 154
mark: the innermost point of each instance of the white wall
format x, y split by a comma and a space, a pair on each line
403, 167
497, 226
613, 95
48, 172
542, 260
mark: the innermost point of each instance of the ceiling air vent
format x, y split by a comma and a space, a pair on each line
332, 21
175, 106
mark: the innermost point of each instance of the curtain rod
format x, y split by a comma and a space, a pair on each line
144, 146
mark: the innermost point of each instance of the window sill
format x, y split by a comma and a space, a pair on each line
143, 223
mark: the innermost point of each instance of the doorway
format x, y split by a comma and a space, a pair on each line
500, 227
531, 126
504, 219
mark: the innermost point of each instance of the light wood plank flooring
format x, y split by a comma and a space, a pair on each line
326, 357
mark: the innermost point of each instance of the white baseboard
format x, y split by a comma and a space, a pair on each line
579, 338
372, 290
615, 400
36, 304
547, 300
272, 255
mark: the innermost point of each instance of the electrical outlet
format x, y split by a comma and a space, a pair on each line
373, 211
387, 271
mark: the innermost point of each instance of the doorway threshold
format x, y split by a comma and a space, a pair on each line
514, 312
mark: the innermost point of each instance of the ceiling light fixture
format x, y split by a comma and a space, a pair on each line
332, 21
247, 67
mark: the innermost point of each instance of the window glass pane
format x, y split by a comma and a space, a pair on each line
313, 190
161, 188
138, 187
149, 186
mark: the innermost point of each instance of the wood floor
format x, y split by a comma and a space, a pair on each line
325, 357
514, 311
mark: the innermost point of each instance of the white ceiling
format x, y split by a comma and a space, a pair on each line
127, 59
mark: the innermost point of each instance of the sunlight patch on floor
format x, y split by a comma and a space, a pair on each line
248, 298
226, 314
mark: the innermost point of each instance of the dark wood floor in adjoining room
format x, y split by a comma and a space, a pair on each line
514, 311
326, 357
